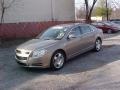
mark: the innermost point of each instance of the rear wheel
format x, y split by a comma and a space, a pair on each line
58, 60
98, 45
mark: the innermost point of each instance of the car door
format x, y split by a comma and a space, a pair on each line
73, 44
87, 37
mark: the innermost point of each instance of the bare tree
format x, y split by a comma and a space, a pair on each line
89, 10
4, 5
80, 13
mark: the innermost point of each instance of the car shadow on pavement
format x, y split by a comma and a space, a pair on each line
85, 62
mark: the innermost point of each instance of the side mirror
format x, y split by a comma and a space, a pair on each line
71, 36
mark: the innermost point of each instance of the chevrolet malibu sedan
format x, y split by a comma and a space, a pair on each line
56, 45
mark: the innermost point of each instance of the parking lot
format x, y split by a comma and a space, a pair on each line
89, 71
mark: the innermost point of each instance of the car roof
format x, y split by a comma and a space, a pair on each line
69, 25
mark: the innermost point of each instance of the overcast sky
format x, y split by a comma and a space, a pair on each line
80, 3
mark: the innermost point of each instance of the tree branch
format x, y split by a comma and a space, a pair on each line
89, 10
10, 4
3, 8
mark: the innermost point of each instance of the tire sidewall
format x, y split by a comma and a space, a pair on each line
95, 48
52, 61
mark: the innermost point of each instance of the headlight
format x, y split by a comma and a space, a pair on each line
39, 53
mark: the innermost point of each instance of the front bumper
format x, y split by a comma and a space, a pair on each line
43, 62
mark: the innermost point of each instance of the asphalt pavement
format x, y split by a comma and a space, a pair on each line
89, 71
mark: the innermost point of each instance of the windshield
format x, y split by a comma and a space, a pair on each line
53, 33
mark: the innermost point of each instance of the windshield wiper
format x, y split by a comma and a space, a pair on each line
51, 39
47, 39
57, 39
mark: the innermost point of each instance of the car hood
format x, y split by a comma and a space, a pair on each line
36, 43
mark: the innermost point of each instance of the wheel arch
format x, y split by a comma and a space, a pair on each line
63, 51
99, 38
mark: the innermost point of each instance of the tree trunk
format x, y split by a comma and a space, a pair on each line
88, 19
89, 11
2, 16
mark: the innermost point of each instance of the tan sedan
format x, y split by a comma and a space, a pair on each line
56, 45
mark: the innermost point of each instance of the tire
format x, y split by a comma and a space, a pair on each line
0, 41
57, 60
98, 45
109, 31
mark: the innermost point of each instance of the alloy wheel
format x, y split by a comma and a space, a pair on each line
98, 44
58, 60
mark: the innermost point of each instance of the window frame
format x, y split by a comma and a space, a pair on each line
91, 30
73, 29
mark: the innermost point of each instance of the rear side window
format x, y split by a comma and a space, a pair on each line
85, 29
76, 31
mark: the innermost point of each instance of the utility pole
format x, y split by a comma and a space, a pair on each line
107, 12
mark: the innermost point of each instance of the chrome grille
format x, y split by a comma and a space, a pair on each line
21, 58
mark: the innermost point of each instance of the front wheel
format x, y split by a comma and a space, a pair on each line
98, 45
58, 60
